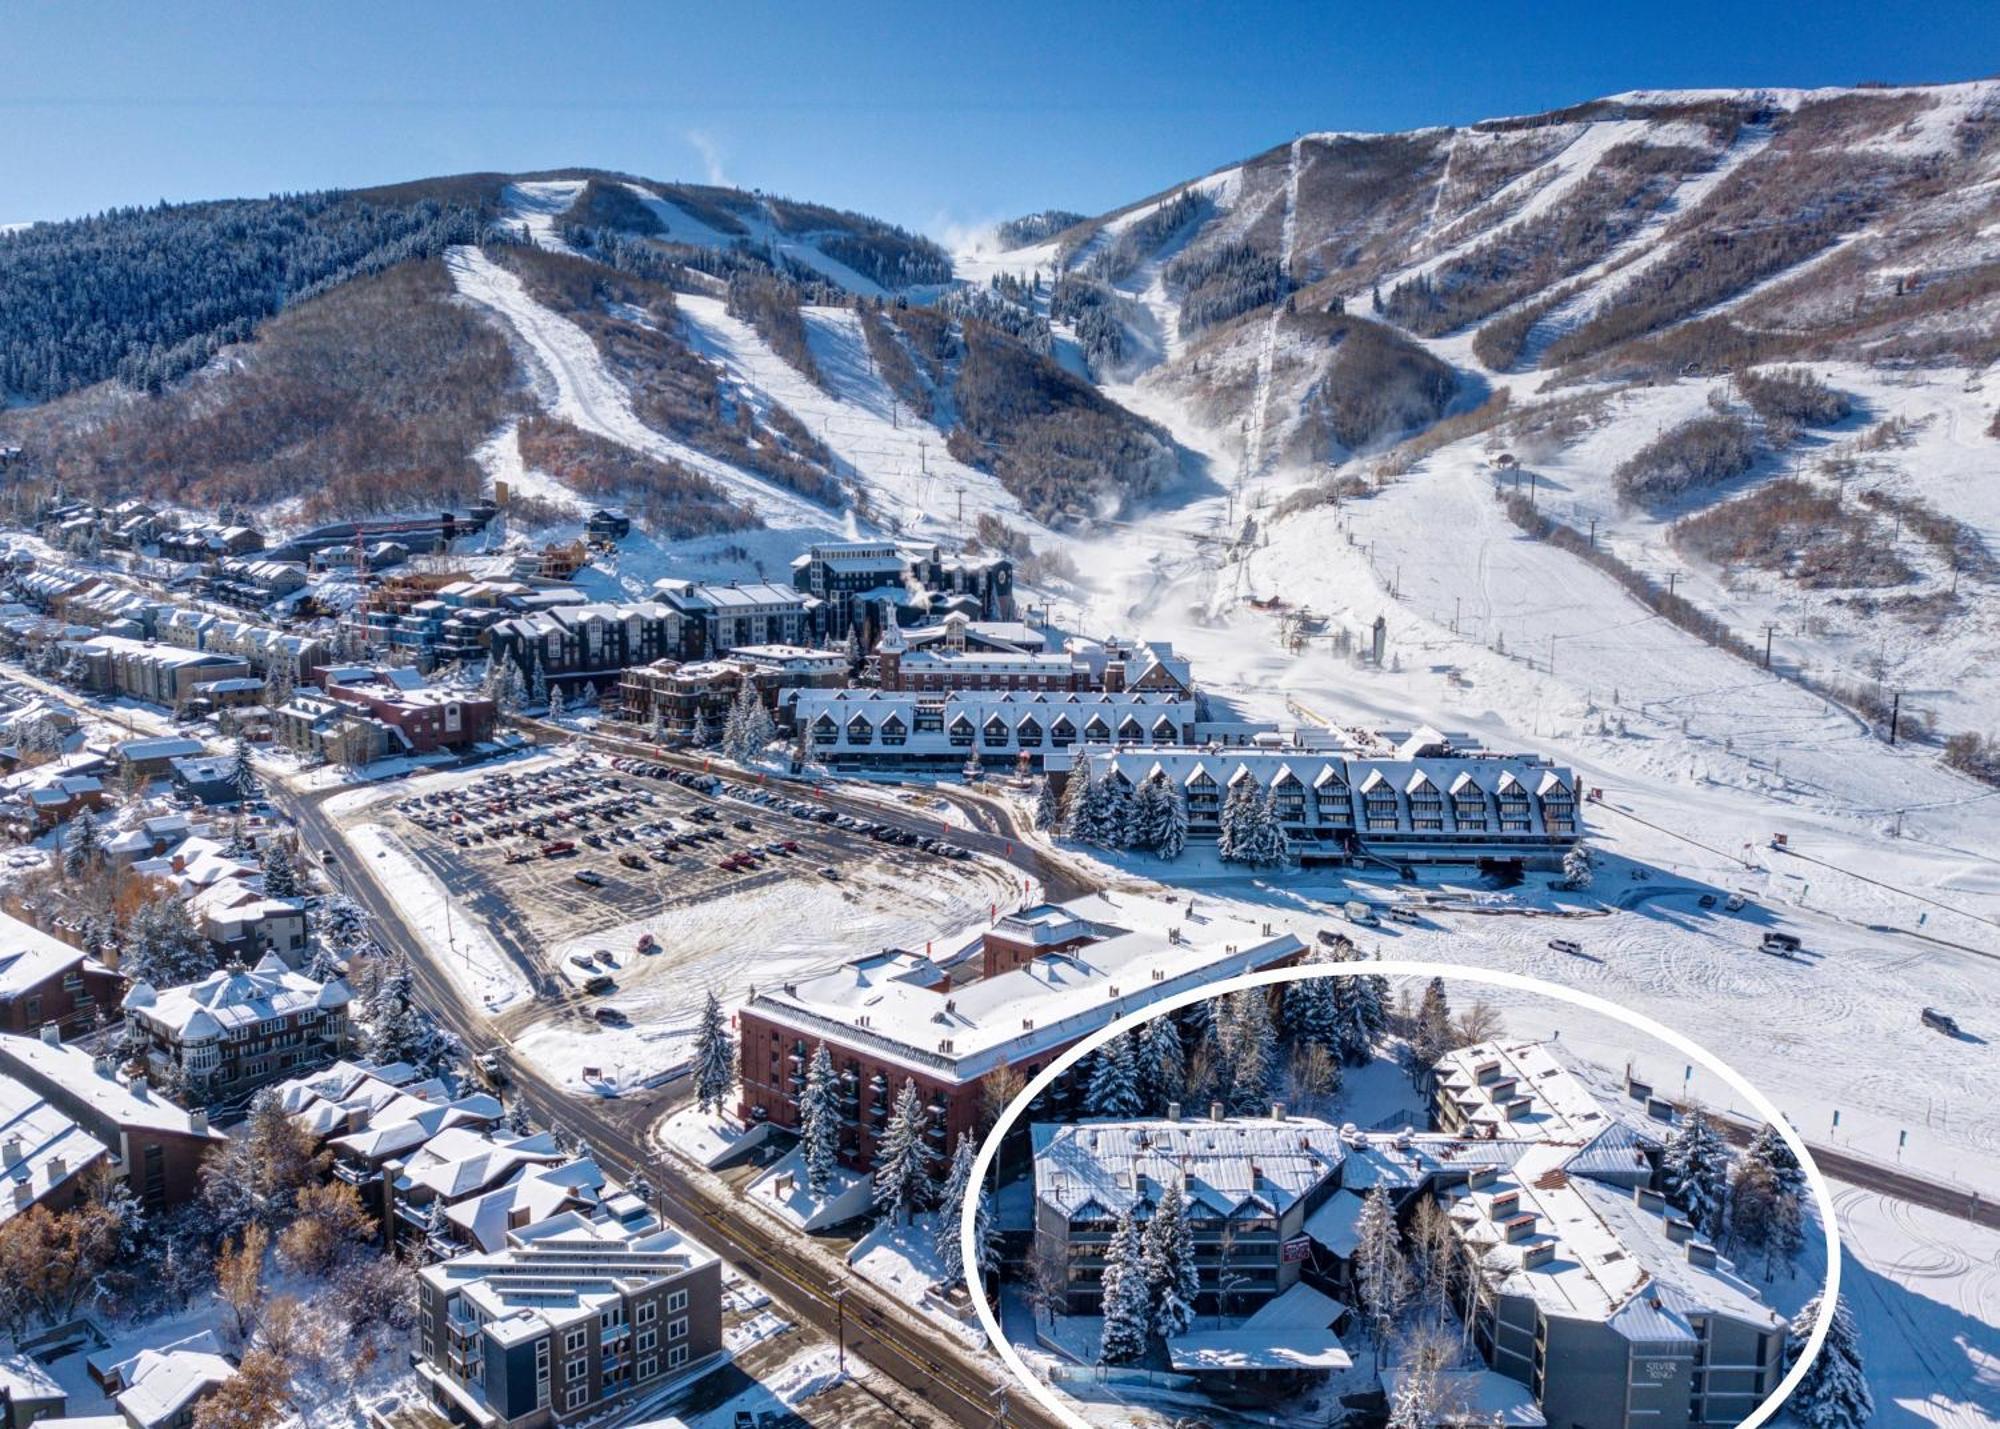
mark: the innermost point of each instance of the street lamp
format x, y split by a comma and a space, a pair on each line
839, 1294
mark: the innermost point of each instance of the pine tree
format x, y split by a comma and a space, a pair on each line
1834, 1393
819, 1120
538, 687
1577, 865
758, 730
1249, 1045
397, 1029
1048, 808
242, 773
1076, 798
1114, 813
1172, 839
1127, 1307
164, 947
83, 850
1432, 1036
1144, 827
1235, 824
714, 1058
1162, 1064
958, 1186
1173, 1282
1308, 1016
1694, 1173
1114, 1080
1381, 1273
556, 708
281, 877
903, 1181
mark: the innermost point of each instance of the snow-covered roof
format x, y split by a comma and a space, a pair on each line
1243, 1166
459, 1160
964, 1032
41, 1147
534, 1195
1481, 1397
160, 1383
28, 956
1521, 1089
1290, 1331
233, 997
80, 1075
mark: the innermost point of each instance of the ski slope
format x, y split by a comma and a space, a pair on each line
899, 459
580, 389
535, 206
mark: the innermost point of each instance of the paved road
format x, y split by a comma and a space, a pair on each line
910, 1351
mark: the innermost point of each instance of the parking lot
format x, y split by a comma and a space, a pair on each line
633, 889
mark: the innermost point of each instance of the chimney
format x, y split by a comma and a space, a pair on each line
1536, 1256
52, 1034
1679, 1230
101, 1065
1480, 1177
198, 1122
59, 1168
1173, 1111
137, 1086
1215, 1111
1522, 1226
1647, 1199
24, 1195
1277, 1111
11, 1156
1701, 1254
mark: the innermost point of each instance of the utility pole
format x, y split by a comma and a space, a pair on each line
1593, 533
1769, 631
1552, 654
1672, 577
839, 1294
1895, 718
1454, 613
961, 504
923, 460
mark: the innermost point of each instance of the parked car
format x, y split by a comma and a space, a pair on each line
1780, 943
1566, 945
1941, 1021
1359, 912
589, 877
1401, 914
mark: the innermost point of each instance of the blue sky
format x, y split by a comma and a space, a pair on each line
930, 115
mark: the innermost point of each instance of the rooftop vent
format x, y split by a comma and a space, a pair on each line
1679, 1229
1647, 1199
1536, 1256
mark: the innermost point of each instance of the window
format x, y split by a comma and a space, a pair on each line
649, 1310
677, 1300
649, 1366
575, 1397
574, 1370
677, 1356
647, 1339
677, 1329
574, 1341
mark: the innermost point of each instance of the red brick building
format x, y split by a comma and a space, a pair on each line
44, 982
427, 719
1035, 984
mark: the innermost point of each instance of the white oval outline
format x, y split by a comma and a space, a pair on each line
982, 1164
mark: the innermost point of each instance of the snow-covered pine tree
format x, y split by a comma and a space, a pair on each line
1048, 808
1769, 1147
538, 687
1076, 798
1834, 1393
397, 1029
1249, 1044
714, 1057
819, 1120
281, 876
1577, 865
83, 850
1270, 844
904, 1184
1115, 812
242, 773
985, 1235
1127, 1307
557, 708
958, 1186
1113, 1090
1381, 1271
1172, 1280
164, 946
1143, 827
1174, 822
1234, 827
1694, 1173
1162, 1064
1308, 1014
758, 729
1431, 1037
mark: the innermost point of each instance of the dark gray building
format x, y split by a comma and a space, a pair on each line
576, 1314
